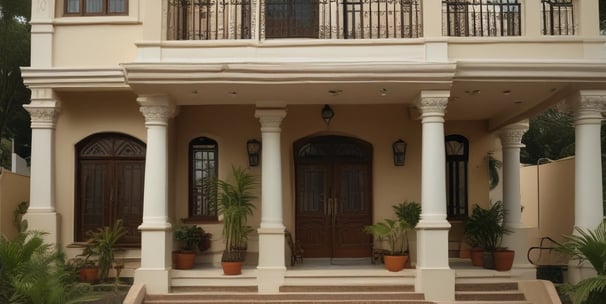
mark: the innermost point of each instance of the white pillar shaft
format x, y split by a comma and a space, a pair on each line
511, 141
271, 187
156, 176
42, 173
271, 178
433, 180
511, 186
588, 161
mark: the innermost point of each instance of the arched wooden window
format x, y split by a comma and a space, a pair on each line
203, 167
457, 156
110, 171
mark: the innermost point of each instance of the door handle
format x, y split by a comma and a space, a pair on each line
334, 210
327, 207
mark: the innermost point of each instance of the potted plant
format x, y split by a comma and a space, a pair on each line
234, 203
485, 228
192, 239
86, 265
103, 243
393, 232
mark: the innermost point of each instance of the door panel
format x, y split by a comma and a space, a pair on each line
94, 183
352, 211
129, 197
313, 227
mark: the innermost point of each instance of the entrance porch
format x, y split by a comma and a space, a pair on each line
350, 280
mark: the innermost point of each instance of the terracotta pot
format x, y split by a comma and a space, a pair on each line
464, 251
395, 263
477, 257
184, 259
89, 275
503, 259
232, 268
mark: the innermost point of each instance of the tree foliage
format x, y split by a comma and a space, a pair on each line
14, 53
550, 135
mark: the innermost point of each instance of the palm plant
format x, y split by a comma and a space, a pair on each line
234, 203
102, 242
588, 246
410, 212
485, 228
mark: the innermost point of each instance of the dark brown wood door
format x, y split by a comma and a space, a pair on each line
333, 200
110, 177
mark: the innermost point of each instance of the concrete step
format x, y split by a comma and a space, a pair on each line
348, 288
334, 297
492, 291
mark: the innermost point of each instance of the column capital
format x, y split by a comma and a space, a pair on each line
270, 119
432, 103
588, 106
43, 108
157, 109
511, 135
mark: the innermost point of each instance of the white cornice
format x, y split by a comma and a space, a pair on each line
74, 77
521, 71
288, 72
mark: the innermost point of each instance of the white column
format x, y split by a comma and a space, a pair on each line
43, 13
156, 236
434, 276
271, 267
517, 240
41, 214
588, 208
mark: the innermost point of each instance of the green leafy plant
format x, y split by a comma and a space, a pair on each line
102, 244
234, 201
410, 212
485, 228
190, 237
33, 272
391, 231
588, 246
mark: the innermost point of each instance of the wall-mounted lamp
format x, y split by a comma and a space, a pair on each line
399, 152
253, 148
327, 114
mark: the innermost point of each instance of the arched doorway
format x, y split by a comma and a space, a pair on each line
110, 172
333, 185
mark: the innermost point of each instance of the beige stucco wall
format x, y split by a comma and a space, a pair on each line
82, 115
549, 199
14, 189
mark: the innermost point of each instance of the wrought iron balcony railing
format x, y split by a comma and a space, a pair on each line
558, 17
318, 19
481, 18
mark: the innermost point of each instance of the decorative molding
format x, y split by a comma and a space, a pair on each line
73, 77
432, 105
42, 117
157, 114
270, 119
587, 106
511, 135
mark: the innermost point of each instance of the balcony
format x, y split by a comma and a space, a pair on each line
355, 19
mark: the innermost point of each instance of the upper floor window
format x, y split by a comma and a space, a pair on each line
481, 18
557, 17
457, 156
203, 161
96, 7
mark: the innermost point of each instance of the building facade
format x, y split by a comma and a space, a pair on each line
135, 103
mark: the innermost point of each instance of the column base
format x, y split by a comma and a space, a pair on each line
269, 279
578, 272
436, 284
271, 248
47, 222
517, 241
156, 281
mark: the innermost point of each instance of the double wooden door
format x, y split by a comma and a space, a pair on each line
333, 200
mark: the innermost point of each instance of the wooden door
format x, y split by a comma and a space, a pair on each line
333, 197
109, 185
